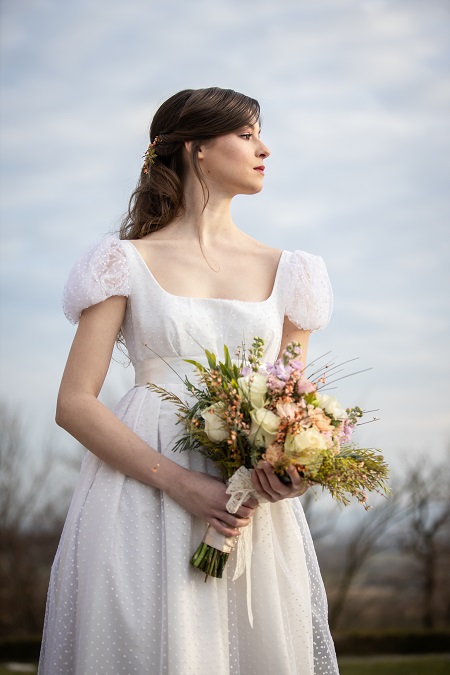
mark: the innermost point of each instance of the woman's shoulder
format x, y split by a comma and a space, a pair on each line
261, 250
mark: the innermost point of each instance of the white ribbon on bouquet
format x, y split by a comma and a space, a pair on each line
240, 488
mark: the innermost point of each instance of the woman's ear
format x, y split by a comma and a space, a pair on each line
190, 144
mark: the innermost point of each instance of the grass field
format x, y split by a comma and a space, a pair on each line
430, 664
383, 665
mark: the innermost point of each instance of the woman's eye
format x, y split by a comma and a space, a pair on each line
246, 136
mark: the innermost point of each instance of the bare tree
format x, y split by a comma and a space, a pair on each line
30, 523
361, 544
425, 539
401, 544
23, 488
322, 520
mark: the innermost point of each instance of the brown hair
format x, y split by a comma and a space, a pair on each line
191, 115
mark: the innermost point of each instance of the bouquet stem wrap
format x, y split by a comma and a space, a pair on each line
218, 541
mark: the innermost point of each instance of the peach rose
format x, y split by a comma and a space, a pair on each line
318, 418
273, 453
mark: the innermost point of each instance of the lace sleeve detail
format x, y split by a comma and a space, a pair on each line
308, 293
99, 274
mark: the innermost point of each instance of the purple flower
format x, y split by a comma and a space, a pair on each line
279, 370
275, 384
345, 431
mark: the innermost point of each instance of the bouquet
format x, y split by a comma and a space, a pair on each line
246, 410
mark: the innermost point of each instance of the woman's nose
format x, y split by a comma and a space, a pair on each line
264, 150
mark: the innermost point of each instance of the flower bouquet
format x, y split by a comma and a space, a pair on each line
245, 411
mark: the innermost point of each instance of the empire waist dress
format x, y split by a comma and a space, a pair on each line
123, 597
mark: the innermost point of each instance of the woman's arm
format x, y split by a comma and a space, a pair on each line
98, 429
264, 479
292, 334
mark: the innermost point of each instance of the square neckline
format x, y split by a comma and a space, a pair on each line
192, 297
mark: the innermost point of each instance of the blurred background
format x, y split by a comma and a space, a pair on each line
355, 97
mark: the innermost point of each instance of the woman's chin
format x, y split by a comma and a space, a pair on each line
252, 189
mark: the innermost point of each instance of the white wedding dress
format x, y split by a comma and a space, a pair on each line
123, 597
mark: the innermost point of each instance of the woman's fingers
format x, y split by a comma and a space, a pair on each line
267, 483
296, 480
229, 525
223, 528
273, 488
245, 512
262, 485
251, 503
299, 485
237, 522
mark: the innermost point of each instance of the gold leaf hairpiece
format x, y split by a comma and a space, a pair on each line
150, 155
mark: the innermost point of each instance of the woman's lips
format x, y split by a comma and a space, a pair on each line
260, 169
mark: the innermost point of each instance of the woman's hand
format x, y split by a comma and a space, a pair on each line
205, 497
266, 482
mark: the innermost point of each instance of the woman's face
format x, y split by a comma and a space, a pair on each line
234, 163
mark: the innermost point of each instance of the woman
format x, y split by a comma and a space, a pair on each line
123, 597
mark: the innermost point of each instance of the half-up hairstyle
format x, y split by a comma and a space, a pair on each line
195, 115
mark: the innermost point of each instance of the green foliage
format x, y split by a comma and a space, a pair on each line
352, 471
197, 440
167, 396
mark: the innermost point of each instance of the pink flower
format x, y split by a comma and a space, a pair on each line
288, 410
345, 431
304, 386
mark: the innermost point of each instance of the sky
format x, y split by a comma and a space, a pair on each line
355, 98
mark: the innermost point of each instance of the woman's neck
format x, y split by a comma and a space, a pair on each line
212, 222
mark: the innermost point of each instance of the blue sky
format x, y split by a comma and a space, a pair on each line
355, 97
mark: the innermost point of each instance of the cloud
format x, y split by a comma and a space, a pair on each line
355, 100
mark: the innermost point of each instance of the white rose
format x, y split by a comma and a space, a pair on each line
332, 406
214, 424
306, 447
308, 439
254, 388
264, 427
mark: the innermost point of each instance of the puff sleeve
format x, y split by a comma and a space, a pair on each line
100, 273
308, 293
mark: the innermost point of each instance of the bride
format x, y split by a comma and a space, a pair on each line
123, 597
